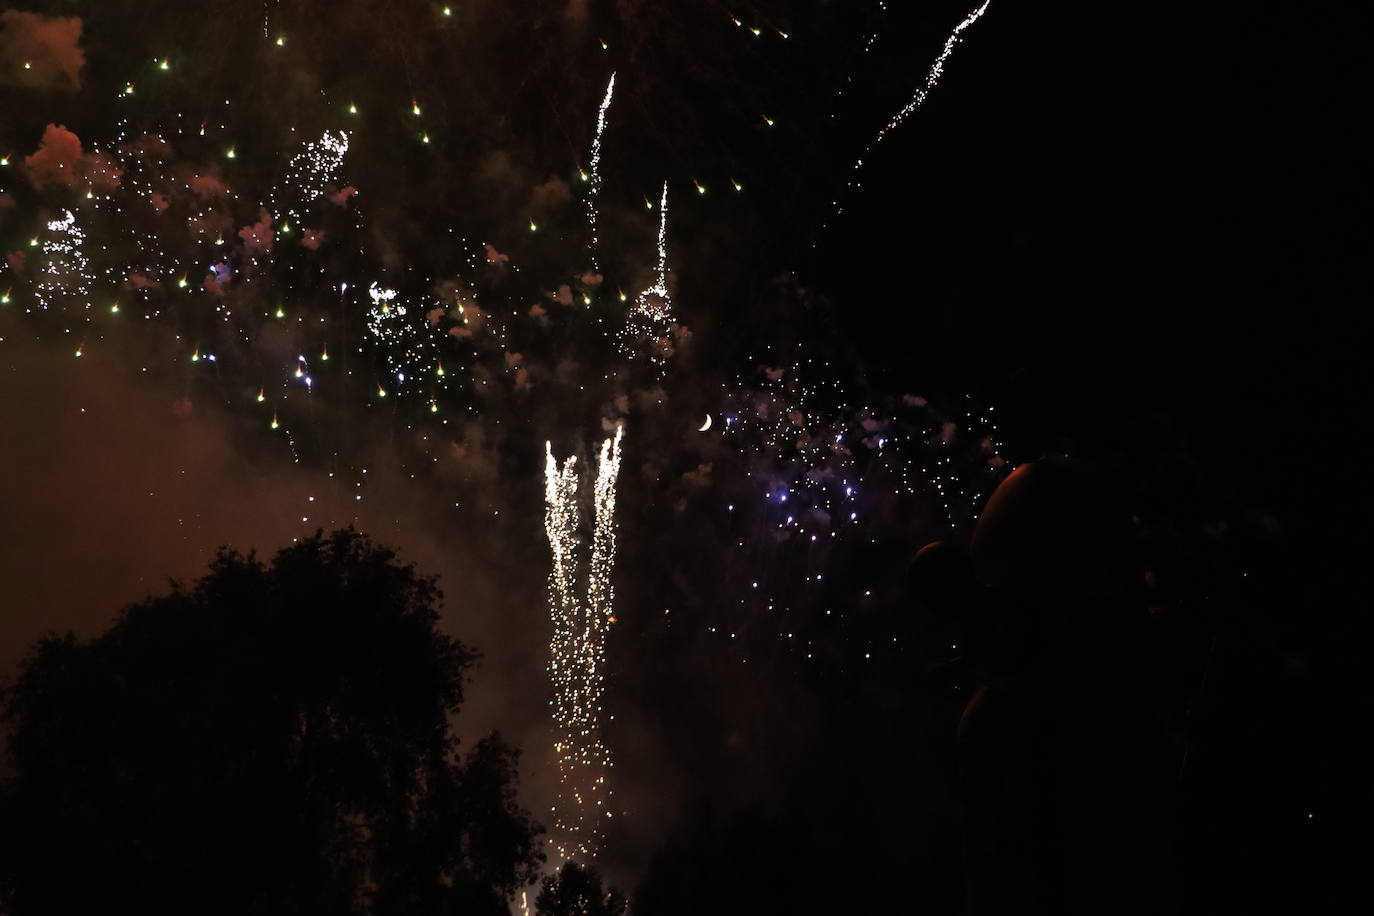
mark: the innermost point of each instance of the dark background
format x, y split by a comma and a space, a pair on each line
1139, 230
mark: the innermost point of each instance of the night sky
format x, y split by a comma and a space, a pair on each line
1130, 233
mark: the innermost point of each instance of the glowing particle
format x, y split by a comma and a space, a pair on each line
448, 11
738, 186
280, 313
381, 392
324, 354
182, 283
352, 109
281, 41
415, 108
274, 421
700, 188
230, 153
164, 65
533, 227
262, 395
767, 120
433, 406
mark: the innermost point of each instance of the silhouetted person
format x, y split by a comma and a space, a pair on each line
1065, 767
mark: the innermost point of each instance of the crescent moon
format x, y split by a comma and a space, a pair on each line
705, 426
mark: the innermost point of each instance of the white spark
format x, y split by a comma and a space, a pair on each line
596, 167
937, 70
65, 269
650, 320
577, 650
309, 174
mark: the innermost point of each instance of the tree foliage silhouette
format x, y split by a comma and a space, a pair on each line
576, 891
273, 738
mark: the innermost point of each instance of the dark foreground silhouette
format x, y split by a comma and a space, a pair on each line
576, 890
271, 739
1066, 769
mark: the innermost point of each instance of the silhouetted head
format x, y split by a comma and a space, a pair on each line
942, 580
1055, 528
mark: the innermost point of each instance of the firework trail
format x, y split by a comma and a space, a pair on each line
577, 650
650, 320
937, 70
596, 167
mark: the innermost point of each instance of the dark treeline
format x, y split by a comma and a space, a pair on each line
278, 737
273, 738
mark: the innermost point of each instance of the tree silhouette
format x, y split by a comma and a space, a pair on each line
274, 738
576, 891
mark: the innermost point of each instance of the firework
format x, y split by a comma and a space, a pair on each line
577, 650
937, 70
595, 177
309, 175
650, 320
66, 271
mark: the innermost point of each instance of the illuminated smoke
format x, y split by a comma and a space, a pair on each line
596, 168
577, 650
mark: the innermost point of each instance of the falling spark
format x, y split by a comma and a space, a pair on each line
595, 188
650, 319
309, 175
66, 271
937, 70
577, 651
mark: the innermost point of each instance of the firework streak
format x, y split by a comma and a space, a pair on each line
577, 651
596, 168
937, 70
